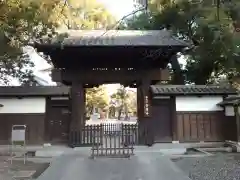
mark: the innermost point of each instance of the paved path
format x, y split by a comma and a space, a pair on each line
142, 166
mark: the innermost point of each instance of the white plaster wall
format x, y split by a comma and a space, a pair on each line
24, 105
204, 103
229, 111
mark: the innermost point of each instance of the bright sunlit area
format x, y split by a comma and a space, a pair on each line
111, 103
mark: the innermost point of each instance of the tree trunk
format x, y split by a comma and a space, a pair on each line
110, 112
126, 112
178, 77
90, 110
119, 113
202, 77
114, 112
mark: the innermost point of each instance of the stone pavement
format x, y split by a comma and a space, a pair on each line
142, 166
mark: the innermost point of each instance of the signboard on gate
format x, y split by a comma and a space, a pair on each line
146, 106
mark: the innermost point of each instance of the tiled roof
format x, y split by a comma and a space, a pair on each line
190, 90
234, 100
34, 91
121, 38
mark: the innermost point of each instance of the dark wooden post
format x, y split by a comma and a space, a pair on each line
144, 113
139, 115
174, 119
138, 102
85, 111
237, 121
78, 113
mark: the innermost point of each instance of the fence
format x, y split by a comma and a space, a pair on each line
97, 134
117, 140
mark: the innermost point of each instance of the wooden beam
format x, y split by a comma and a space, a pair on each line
106, 76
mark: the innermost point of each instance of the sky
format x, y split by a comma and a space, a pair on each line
118, 8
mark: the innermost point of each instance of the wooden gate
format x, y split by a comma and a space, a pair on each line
161, 121
114, 140
58, 124
205, 126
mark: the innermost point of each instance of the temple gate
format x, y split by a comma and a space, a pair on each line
88, 59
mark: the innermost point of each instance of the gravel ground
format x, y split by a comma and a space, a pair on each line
8, 170
218, 167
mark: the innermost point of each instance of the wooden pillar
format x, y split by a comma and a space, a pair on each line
85, 111
48, 109
140, 115
139, 102
174, 119
78, 112
144, 113
237, 115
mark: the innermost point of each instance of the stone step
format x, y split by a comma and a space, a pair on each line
234, 145
216, 149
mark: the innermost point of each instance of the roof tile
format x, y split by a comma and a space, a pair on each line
190, 90
33, 91
232, 101
121, 38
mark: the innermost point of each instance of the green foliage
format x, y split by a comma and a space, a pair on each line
209, 27
88, 15
22, 21
96, 98
125, 101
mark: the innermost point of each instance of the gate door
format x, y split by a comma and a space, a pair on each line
114, 140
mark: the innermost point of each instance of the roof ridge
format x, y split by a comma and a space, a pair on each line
191, 90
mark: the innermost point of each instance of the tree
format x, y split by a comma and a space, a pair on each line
120, 98
22, 21
210, 29
124, 101
84, 14
132, 102
96, 98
